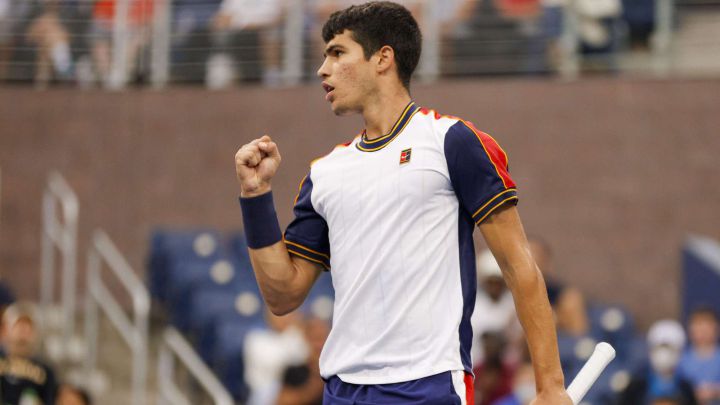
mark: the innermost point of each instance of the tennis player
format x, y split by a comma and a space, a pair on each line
391, 214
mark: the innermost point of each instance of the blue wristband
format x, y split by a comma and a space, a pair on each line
261, 224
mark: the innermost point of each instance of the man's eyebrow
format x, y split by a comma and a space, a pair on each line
331, 48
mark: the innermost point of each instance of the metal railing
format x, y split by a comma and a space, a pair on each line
175, 346
59, 232
132, 328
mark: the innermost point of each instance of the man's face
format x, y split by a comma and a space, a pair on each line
68, 396
19, 338
494, 287
348, 78
703, 330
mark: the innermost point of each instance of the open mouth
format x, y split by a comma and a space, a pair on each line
328, 90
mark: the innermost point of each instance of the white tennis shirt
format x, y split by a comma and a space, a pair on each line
392, 219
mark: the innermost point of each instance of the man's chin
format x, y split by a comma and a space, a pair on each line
340, 110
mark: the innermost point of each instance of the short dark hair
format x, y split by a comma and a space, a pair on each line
705, 311
376, 24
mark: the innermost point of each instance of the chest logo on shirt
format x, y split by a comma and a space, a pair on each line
405, 156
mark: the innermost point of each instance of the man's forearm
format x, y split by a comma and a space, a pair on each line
282, 281
535, 314
283, 285
505, 237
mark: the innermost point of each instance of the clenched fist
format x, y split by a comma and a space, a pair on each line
255, 165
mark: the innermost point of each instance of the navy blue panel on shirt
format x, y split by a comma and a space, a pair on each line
468, 282
307, 234
478, 171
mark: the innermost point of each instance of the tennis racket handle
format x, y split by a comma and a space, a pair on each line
601, 357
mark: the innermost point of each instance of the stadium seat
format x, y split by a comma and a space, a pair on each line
168, 248
221, 277
227, 352
615, 325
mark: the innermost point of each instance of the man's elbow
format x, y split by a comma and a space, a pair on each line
524, 276
282, 305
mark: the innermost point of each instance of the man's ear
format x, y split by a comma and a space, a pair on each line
386, 59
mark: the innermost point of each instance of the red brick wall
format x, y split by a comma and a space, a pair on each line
613, 173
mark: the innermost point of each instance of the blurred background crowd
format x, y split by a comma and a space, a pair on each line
224, 42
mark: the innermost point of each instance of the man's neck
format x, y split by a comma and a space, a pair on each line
381, 114
705, 350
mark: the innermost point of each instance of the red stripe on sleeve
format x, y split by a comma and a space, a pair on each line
497, 155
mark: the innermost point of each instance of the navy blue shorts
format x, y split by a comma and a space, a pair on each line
439, 389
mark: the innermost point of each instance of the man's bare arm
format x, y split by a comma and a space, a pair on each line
284, 280
506, 238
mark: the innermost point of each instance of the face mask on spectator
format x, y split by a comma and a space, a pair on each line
524, 392
664, 359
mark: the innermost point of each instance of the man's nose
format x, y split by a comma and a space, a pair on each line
322, 71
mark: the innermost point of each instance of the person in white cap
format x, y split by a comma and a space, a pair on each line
666, 341
494, 307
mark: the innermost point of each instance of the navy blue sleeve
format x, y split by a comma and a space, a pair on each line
478, 171
307, 235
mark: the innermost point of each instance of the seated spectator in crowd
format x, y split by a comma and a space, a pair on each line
140, 16
567, 302
52, 40
268, 352
191, 41
302, 384
5, 35
72, 395
23, 378
494, 375
700, 364
494, 307
640, 18
666, 401
662, 381
246, 34
598, 31
7, 296
523, 387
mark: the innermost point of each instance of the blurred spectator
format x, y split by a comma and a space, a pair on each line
700, 364
246, 33
302, 384
5, 35
71, 395
140, 15
23, 379
523, 388
662, 380
7, 296
568, 302
552, 13
493, 376
50, 36
191, 42
665, 401
640, 18
268, 352
598, 26
494, 307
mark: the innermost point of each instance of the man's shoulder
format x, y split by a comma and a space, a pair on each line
337, 151
446, 124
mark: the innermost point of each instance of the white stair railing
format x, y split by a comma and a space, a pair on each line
132, 328
175, 346
59, 233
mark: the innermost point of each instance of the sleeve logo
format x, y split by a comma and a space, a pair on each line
405, 156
